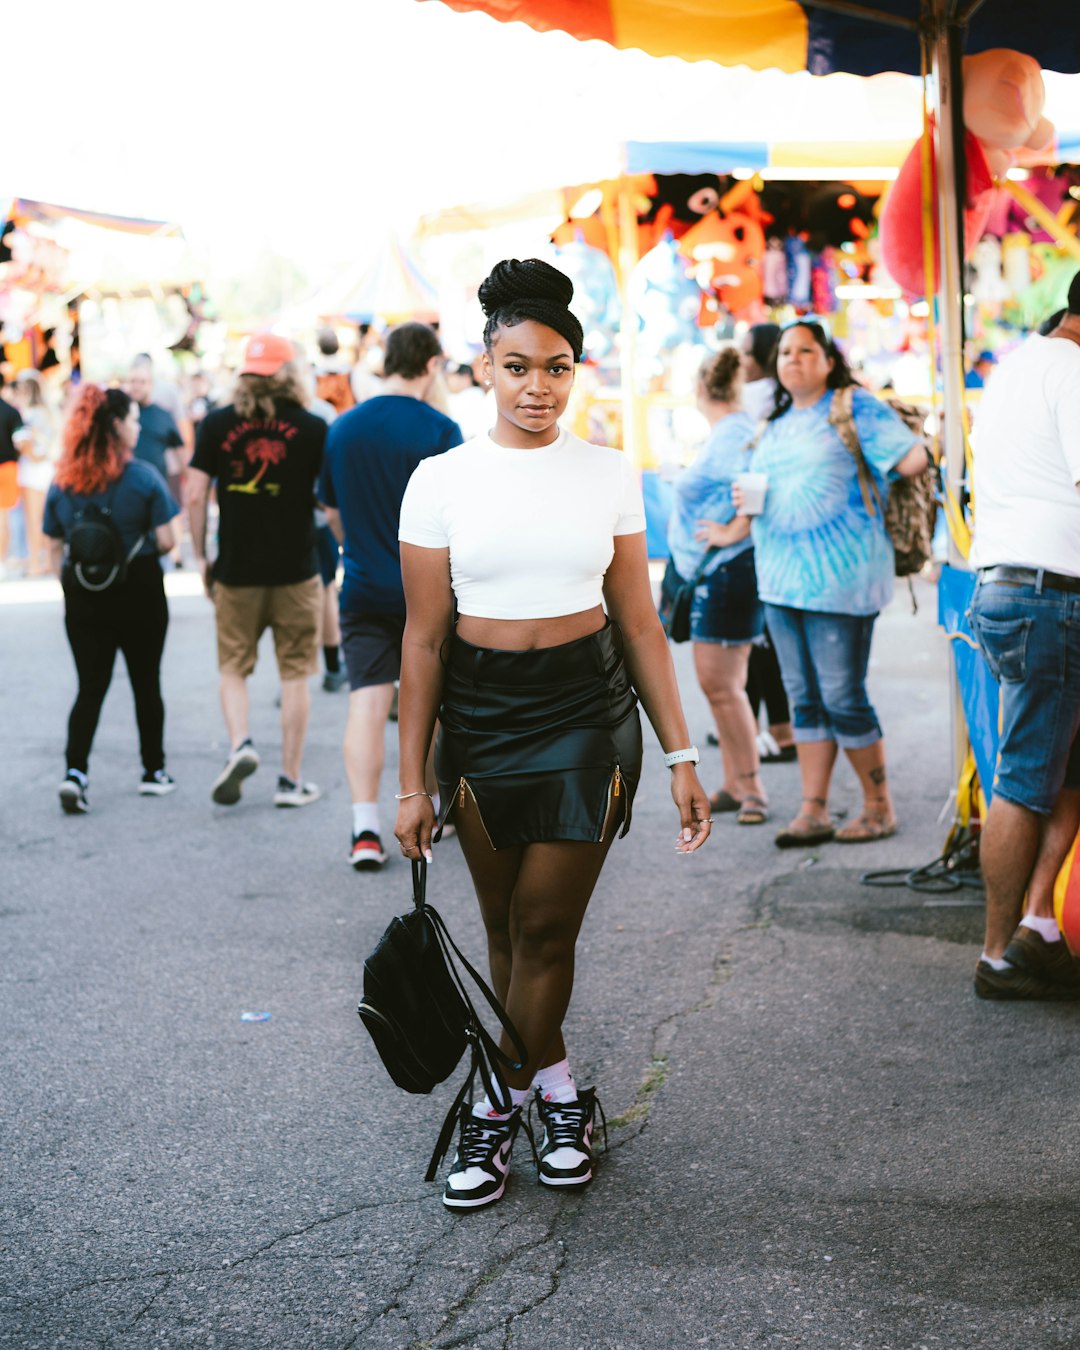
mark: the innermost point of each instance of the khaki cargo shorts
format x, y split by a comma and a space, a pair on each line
293, 613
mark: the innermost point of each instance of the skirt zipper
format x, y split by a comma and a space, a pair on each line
479, 815
614, 790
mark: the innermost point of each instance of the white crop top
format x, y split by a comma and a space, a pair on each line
530, 532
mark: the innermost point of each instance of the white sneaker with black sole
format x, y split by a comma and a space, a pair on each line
480, 1167
241, 764
289, 793
73, 794
566, 1149
157, 784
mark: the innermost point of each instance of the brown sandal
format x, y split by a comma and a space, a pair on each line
813, 831
753, 811
867, 829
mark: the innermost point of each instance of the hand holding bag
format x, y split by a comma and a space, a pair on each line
420, 1016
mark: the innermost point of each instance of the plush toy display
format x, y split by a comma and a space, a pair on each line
1003, 102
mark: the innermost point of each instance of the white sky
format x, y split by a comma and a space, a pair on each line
308, 128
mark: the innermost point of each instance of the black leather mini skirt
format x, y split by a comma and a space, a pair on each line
545, 742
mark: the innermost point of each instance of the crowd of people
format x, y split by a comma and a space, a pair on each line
499, 574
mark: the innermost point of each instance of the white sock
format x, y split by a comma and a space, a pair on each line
365, 816
1047, 929
486, 1111
996, 962
556, 1083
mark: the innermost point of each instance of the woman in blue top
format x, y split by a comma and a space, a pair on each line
128, 613
726, 616
825, 568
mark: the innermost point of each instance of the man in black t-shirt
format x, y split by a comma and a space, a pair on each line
264, 451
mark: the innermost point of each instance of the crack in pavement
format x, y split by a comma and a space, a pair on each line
114, 1336
399, 1293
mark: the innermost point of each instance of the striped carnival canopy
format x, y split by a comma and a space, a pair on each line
821, 36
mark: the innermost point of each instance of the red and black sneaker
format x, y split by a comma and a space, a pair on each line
367, 851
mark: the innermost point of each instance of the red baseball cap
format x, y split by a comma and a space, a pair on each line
265, 354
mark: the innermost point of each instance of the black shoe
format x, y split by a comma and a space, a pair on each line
73, 794
1016, 983
1050, 961
241, 764
482, 1161
334, 680
157, 784
566, 1151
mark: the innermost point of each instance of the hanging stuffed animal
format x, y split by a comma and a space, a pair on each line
1003, 102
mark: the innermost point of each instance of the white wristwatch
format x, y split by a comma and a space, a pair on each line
689, 756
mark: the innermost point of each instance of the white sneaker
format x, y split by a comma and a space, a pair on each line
289, 793
766, 744
157, 784
241, 764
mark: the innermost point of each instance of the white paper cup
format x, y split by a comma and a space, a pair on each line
752, 486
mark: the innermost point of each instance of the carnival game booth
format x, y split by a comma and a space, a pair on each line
78, 285
939, 208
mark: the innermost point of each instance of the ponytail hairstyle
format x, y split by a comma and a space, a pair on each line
519, 292
93, 455
838, 378
721, 376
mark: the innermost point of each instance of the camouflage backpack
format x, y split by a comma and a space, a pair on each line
911, 509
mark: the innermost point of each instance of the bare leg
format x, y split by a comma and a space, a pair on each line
1007, 851
721, 672
869, 763
365, 735
234, 704
1057, 836
33, 513
5, 536
816, 761
295, 709
331, 624
533, 899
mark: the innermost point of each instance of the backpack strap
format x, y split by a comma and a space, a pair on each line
842, 421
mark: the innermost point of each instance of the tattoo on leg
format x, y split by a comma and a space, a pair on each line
877, 776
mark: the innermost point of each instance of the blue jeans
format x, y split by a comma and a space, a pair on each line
1030, 638
823, 660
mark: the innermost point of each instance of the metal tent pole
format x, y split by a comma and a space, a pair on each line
950, 299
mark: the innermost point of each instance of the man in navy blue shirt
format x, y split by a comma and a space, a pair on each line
371, 452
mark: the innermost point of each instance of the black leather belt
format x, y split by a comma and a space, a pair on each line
1030, 576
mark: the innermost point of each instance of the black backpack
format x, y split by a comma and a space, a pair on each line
95, 549
420, 1016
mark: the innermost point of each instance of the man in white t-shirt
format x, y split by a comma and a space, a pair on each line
1026, 617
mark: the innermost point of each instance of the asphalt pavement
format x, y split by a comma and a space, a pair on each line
818, 1137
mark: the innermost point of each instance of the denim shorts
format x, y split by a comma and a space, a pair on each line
823, 660
1031, 642
726, 609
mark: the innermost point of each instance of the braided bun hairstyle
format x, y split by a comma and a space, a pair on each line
517, 292
721, 375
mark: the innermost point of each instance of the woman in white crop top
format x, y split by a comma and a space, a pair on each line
530, 533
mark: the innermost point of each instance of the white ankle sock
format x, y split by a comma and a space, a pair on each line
486, 1111
1047, 929
365, 816
556, 1083
996, 962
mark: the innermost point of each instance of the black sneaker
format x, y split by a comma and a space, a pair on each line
566, 1149
73, 794
241, 764
290, 793
334, 680
1015, 983
482, 1161
367, 851
157, 784
1052, 961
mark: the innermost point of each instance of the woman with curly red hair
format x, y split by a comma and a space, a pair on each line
124, 608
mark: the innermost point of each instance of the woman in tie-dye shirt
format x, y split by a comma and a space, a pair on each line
825, 569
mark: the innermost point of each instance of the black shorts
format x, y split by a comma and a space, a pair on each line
329, 552
372, 647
